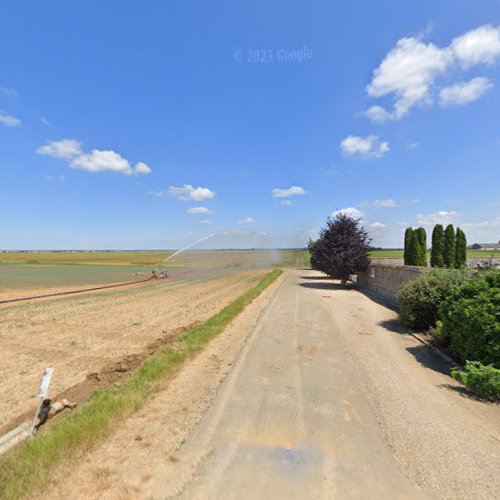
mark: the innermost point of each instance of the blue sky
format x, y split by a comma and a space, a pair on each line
150, 124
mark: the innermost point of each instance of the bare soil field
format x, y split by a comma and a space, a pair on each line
85, 335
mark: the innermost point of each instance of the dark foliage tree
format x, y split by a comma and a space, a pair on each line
460, 249
421, 253
449, 246
342, 248
406, 253
437, 251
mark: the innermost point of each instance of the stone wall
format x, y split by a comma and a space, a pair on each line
384, 280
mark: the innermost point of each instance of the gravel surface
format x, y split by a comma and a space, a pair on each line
312, 392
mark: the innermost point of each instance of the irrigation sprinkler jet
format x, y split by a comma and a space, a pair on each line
162, 273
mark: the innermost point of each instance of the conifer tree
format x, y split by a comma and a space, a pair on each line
421, 251
437, 251
449, 246
408, 239
460, 249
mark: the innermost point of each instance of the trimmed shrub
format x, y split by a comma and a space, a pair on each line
421, 298
480, 379
471, 320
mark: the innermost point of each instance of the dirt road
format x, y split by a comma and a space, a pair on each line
325, 400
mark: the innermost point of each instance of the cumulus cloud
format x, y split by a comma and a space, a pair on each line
479, 46
464, 92
247, 220
107, 160
190, 193
364, 147
65, 149
284, 203
351, 212
440, 217
9, 120
199, 210
291, 191
409, 71
206, 221
96, 161
377, 225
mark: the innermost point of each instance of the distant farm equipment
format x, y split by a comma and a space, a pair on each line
159, 273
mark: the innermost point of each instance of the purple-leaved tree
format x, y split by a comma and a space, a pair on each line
342, 249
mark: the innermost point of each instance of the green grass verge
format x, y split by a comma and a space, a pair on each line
29, 466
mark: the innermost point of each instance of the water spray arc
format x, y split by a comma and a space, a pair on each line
188, 246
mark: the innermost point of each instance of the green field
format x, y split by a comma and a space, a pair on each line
40, 270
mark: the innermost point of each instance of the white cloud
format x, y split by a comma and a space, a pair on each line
291, 191
409, 71
206, 221
65, 148
464, 92
285, 203
479, 46
441, 217
199, 210
190, 193
390, 203
377, 225
95, 161
141, 168
482, 231
378, 114
364, 147
9, 120
351, 212
107, 160
247, 220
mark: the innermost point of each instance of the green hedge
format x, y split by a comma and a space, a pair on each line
470, 317
421, 298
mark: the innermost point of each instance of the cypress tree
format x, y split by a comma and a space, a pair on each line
408, 238
421, 253
413, 249
449, 246
460, 249
437, 252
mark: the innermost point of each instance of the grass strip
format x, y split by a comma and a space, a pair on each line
29, 466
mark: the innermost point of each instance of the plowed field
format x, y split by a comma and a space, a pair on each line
81, 334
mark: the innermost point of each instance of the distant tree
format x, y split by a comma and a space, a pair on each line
422, 247
437, 251
449, 246
460, 249
476, 246
310, 245
342, 248
406, 252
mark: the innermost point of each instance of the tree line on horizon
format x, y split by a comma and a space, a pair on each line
448, 249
